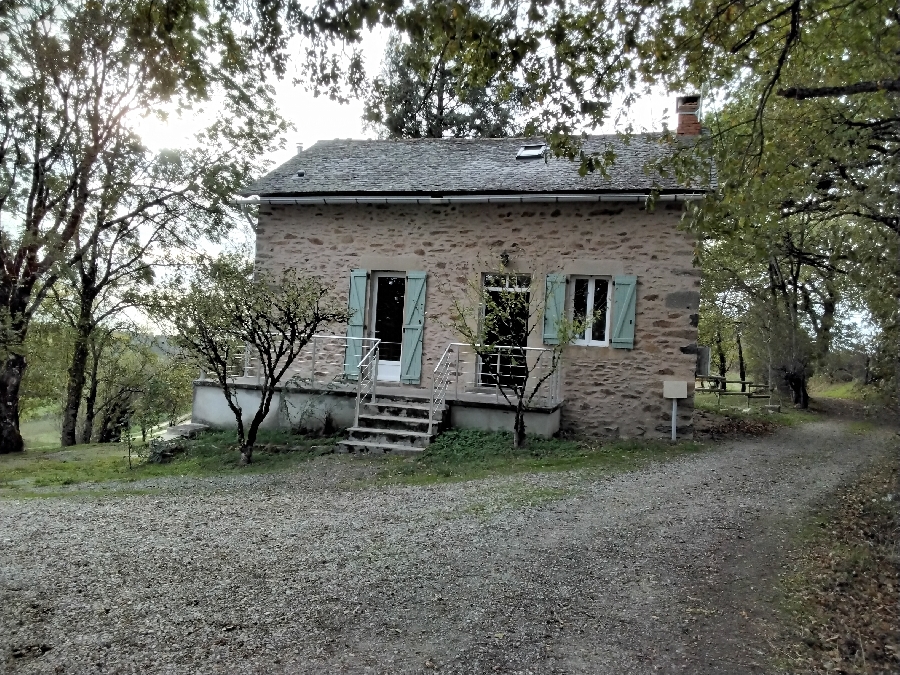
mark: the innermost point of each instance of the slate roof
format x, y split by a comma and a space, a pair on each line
450, 166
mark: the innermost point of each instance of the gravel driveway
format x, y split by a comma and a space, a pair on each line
664, 570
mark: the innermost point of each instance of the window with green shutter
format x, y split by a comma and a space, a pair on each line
356, 323
413, 329
624, 302
590, 304
554, 305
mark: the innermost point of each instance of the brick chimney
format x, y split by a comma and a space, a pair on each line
688, 110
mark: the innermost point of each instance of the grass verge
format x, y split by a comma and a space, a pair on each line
467, 454
788, 416
841, 599
210, 453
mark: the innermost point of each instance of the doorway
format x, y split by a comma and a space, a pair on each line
506, 316
389, 290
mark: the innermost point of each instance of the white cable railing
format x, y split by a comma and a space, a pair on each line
506, 369
367, 380
446, 370
324, 360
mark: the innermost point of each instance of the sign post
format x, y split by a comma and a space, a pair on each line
674, 389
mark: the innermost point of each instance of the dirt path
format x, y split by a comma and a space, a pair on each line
665, 570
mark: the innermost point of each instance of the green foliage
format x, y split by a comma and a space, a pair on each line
423, 91
228, 307
467, 454
83, 202
48, 348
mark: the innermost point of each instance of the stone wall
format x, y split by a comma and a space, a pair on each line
607, 391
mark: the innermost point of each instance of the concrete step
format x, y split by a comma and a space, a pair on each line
416, 439
185, 430
394, 422
362, 446
402, 409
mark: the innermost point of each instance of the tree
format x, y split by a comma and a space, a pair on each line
423, 92
78, 78
228, 307
109, 274
804, 119
496, 317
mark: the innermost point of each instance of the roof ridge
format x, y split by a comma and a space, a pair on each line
477, 139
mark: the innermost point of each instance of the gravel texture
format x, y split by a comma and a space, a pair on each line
670, 569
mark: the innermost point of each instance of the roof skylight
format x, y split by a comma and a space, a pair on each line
533, 151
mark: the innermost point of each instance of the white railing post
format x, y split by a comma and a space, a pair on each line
456, 373
497, 376
367, 374
431, 409
312, 377
375, 371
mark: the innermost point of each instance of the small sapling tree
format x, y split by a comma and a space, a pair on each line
228, 307
497, 315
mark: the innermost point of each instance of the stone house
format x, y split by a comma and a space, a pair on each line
401, 228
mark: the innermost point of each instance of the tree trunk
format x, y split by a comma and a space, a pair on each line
723, 363
90, 403
742, 366
797, 383
897, 324
804, 394
519, 426
440, 87
77, 368
10, 381
115, 419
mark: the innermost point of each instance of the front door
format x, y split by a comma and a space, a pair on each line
390, 293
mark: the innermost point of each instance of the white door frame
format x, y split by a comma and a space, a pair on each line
388, 371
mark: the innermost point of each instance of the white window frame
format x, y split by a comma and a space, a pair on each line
588, 341
532, 151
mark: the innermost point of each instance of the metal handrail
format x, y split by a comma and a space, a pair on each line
447, 372
367, 380
321, 349
440, 380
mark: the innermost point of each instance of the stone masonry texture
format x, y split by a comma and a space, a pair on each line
607, 392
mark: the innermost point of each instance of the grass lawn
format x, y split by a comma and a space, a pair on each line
41, 432
211, 453
466, 454
736, 407
456, 455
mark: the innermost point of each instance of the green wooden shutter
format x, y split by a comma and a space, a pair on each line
413, 321
623, 312
554, 304
356, 323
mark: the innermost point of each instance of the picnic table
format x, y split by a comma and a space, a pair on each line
718, 385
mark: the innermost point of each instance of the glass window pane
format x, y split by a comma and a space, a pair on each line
601, 292
493, 281
579, 309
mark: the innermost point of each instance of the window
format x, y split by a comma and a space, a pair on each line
506, 314
590, 301
535, 151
